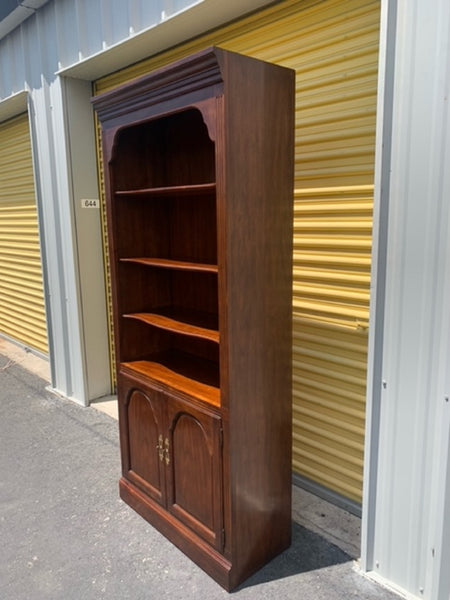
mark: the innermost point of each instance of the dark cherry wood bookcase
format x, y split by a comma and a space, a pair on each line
198, 161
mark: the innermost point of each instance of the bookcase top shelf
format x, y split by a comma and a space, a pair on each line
166, 263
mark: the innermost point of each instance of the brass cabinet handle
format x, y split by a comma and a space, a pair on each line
160, 448
163, 448
167, 450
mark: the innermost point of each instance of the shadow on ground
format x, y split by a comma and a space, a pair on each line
308, 552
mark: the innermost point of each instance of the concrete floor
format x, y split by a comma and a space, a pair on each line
67, 535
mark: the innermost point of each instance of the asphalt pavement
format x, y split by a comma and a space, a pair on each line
66, 535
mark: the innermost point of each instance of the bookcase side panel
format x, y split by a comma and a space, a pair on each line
259, 182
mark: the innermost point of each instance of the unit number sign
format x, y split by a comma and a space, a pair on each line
90, 203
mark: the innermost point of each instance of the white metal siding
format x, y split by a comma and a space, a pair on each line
410, 541
88, 28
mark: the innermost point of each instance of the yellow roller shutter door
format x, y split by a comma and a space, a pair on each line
22, 311
333, 46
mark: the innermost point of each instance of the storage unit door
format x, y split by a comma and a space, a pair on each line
22, 310
333, 46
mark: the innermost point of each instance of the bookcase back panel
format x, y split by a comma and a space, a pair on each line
180, 227
139, 343
142, 227
193, 229
168, 151
144, 289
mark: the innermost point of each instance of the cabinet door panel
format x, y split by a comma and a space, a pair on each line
144, 429
195, 482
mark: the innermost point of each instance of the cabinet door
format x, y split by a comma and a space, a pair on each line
195, 488
142, 437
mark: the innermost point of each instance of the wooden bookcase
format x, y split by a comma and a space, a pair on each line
198, 161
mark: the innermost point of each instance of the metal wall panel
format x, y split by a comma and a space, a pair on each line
408, 533
95, 37
22, 309
333, 47
88, 27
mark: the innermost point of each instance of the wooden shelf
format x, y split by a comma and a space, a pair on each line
185, 322
197, 189
166, 263
187, 374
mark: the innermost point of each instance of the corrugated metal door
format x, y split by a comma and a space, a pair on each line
22, 310
333, 46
